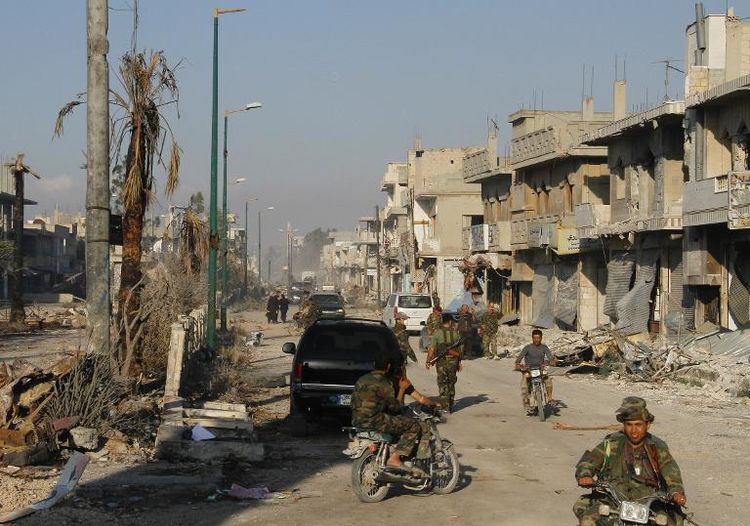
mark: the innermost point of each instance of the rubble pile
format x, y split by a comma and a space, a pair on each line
709, 358
74, 405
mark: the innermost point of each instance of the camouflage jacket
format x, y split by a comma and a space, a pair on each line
490, 323
443, 338
609, 461
433, 323
373, 397
399, 330
464, 323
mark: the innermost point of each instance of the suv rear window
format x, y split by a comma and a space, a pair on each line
415, 302
327, 300
355, 343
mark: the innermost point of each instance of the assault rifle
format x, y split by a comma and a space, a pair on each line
445, 351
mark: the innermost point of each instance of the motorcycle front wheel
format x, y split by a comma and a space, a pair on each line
364, 473
540, 405
445, 471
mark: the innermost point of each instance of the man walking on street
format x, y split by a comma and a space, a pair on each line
399, 329
535, 355
488, 330
272, 308
465, 319
447, 360
283, 307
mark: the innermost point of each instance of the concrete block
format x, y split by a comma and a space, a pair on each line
209, 450
223, 406
215, 413
85, 438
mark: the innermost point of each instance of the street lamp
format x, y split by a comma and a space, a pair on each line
224, 248
260, 258
289, 251
213, 241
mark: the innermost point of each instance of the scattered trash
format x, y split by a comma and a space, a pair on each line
68, 479
242, 493
200, 433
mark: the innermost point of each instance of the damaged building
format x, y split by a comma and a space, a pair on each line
641, 229
491, 238
716, 206
559, 278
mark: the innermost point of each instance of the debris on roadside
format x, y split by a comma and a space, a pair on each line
68, 479
710, 355
212, 431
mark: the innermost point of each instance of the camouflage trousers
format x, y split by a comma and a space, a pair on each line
447, 376
407, 352
406, 429
489, 344
586, 509
525, 389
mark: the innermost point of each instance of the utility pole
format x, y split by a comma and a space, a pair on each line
377, 251
97, 179
244, 285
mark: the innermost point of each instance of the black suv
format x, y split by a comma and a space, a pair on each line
328, 361
329, 303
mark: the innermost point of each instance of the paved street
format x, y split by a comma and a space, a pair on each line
516, 470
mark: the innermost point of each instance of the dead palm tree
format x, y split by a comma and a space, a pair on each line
19, 170
147, 86
193, 242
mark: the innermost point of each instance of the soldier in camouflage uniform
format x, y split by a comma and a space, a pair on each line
463, 324
399, 329
488, 327
633, 461
449, 365
376, 408
434, 320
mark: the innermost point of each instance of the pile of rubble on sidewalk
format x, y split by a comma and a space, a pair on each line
710, 356
45, 414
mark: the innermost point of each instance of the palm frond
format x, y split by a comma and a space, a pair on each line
66, 110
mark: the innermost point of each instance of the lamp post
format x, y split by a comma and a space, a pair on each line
289, 251
260, 267
224, 250
213, 238
247, 238
225, 228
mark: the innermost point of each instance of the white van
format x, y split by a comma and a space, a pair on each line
416, 306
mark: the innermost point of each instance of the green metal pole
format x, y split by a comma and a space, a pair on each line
211, 328
224, 235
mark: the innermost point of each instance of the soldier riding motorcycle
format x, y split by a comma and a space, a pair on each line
633, 476
434, 466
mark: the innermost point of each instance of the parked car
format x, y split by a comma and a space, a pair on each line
298, 291
331, 305
328, 360
416, 306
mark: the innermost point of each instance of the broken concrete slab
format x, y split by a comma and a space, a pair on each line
85, 438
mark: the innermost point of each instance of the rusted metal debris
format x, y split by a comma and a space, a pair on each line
25, 436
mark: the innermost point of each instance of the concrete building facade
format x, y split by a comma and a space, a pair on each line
558, 277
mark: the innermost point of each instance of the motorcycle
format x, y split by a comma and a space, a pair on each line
537, 390
652, 509
371, 478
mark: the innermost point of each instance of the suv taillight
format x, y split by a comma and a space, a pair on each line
298, 371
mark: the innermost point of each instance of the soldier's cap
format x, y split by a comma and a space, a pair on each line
633, 408
402, 316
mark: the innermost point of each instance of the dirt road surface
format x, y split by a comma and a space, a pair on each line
515, 469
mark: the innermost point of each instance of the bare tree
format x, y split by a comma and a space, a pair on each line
19, 171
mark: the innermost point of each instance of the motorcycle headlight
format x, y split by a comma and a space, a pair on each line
604, 510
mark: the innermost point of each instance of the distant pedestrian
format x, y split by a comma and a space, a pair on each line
464, 327
272, 308
402, 336
283, 307
488, 331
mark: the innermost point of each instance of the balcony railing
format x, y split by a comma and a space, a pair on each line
499, 236
589, 218
429, 246
535, 232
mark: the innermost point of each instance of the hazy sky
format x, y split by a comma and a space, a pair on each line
346, 85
